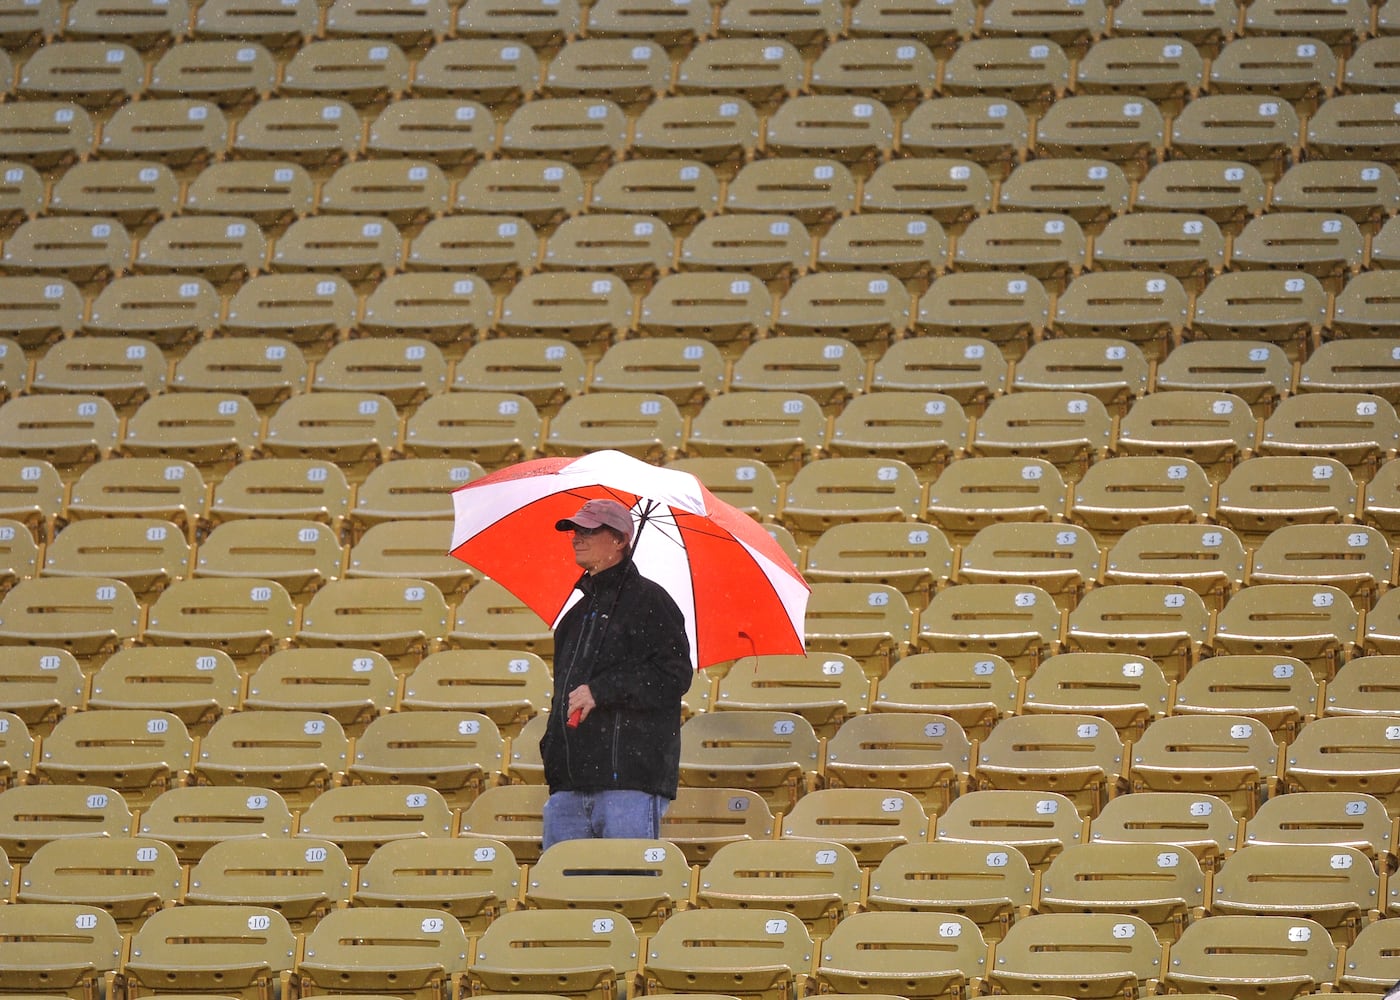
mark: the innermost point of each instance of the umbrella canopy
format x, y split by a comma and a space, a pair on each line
740, 593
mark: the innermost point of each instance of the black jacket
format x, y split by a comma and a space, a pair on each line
625, 638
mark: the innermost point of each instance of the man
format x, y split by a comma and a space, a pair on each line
612, 745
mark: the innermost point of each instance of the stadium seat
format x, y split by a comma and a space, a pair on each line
1038, 824
456, 753
1089, 191
677, 191
973, 689
1019, 622
1354, 365
1067, 428
296, 754
1216, 430
446, 131
1269, 491
543, 192
1335, 24
763, 70
31, 24
406, 370
1114, 371
84, 250
968, 369
136, 752
507, 686
406, 191
584, 307
490, 617
854, 130
1208, 559
135, 192
1197, 822
1255, 371
537, 24
1266, 879
813, 189
1364, 190
872, 623
361, 248
1261, 305
362, 818
1079, 756
765, 953
1127, 692
990, 131
510, 814
1360, 688
32, 815
19, 553
123, 370
270, 192
1264, 955
193, 818
40, 685
941, 26
584, 131
303, 879
416, 951
195, 685
908, 246
838, 490
90, 617
410, 488
472, 878
491, 247
674, 26
775, 753
129, 878
266, 21
918, 954
352, 686
972, 493
402, 618
1032, 70
896, 72
1358, 429
951, 191
411, 548
1345, 753
702, 820
242, 617
312, 131
230, 72
144, 553
493, 428
1258, 130
22, 195
360, 71
1128, 131
180, 132
641, 881
265, 370
212, 430
825, 689
923, 754
410, 25
64, 946
780, 428
630, 71
17, 748
501, 72
1166, 622
1189, 246
989, 884
1062, 560
1164, 887
1355, 559
1333, 819
914, 558
1232, 757
1006, 307
1325, 244
255, 949
1090, 954
816, 882
1228, 192
761, 245
1294, 66
44, 134
1049, 246
1370, 960
589, 952
1166, 70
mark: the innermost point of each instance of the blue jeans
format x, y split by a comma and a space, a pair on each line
613, 813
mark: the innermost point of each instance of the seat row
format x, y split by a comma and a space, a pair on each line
635, 71
682, 192
592, 131
550, 24
760, 952
878, 254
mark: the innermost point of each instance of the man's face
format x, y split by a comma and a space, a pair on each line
596, 549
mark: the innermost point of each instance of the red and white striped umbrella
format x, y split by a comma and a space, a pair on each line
739, 591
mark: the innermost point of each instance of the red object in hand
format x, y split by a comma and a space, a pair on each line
575, 718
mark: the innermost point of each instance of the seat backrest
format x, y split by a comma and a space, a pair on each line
825, 689
1208, 559
1358, 429
405, 369
295, 753
68, 946
870, 821
762, 245
1196, 821
511, 814
491, 617
991, 131
88, 616
643, 881
770, 751
1352, 753
124, 370
584, 951
989, 883
197, 685
543, 192
1230, 756
1128, 131
46, 133
913, 557
937, 951
501, 71
40, 684
923, 753
1105, 953
361, 818
353, 686
472, 878
971, 493
886, 18
458, 753
853, 129
537, 24
1005, 307
1063, 560
801, 23
627, 70
1279, 691
1362, 688
1370, 960
268, 192
1113, 370
1124, 491
758, 69
1367, 366
398, 617
145, 553
300, 878
138, 752
1315, 622
1162, 69
1162, 885
1327, 244
1078, 755
415, 950
508, 686
814, 189
1018, 621
300, 555
968, 369
194, 818
360, 70
239, 616
129, 878
265, 370
1047, 245
1128, 692
1272, 956
948, 189
307, 130
973, 689
1354, 558
1167, 622
815, 881
1336, 819
861, 306
70, 429
304, 308
1024, 70
580, 130
1039, 824
219, 70
1360, 125
1146, 312
180, 131
758, 952
849, 488
16, 750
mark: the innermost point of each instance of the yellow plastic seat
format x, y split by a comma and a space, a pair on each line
255, 945
212, 430
1325, 244
1359, 365
813, 189
869, 308
1125, 130
1062, 560
195, 685
1232, 757
759, 245
918, 954
509, 814
973, 689
765, 953
68, 946
1200, 823
1161, 69
129, 879
1258, 130
145, 554
40, 685
826, 696
379, 814
915, 558
445, 131
405, 370
950, 190
1254, 371
270, 192
923, 754
492, 428
1370, 960
1361, 688
780, 428
1280, 692
1127, 692
1019, 622
1166, 622
94, 73
989, 885
178, 131
816, 882
581, 130
1335, 24
678, 191
242, 617
169, 489
1355, 559
401, 618
1038, 824
1207, 559
940, 26
302, 879
1265, 955
990, 131
1346, 753
410, 488
773, 752
46, 133
194, 818
499, 71
90, 617
17, 747
1269, 491
229, 72
472, 878
1089, 191
1261, 305
1187, 246
312, 131
123, 370
490, 617
408, 24
1086, 954
629, 71
1114, 371
1294, 66
1215, 430
1078, 756
1166, 888
265, 370
641, 881
1050, 246
1064, 427
537, 24
416, 951
972, 493
32, 815
1008, 308
1334, 819
136, 752
1378, 505
1033, 70
411, 548
670, 25
589, 952
763, 70
967, 369
21, 194
895, 72
702, 820
1358, 429
1227, 191
854, 130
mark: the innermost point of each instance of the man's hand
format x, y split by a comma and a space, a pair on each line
580, 704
